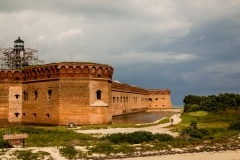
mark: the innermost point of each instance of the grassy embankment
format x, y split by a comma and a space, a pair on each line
211, 131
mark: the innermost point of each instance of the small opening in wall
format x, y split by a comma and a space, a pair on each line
49, 94
16, 114
35, 77
156, 105
23, 114
48, 76
156, 99
48, 115
34, 114
113, 99
17, 96
150, 99
36, 95
149, 105
124, 99
98, 94
99, 75
162, 105
25, 96
117, 99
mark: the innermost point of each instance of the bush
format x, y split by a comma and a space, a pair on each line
234, 125
68, 152
194, 132
104, 148
137, 137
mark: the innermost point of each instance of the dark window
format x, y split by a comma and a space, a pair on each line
98, 94
156, 105
17, 96
16, 114
36, 95
49, 94
156, 98
113, 99
34, 114
150, 99
25, 96
48, 115
123, 99
23, 114
117, 99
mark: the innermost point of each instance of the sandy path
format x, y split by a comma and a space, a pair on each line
154, 129
223, 155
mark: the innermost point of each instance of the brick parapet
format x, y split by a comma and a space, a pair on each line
120, 87
160, 91
57, 70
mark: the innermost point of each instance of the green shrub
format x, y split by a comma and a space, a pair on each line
68, 152
27, 155
137, 137
104, 148
235, 125
194, 132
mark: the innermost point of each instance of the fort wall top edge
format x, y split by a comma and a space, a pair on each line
58, 70
160, 91
128, 88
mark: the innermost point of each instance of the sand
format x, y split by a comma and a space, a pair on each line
222, 155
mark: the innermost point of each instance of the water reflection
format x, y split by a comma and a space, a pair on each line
143, 117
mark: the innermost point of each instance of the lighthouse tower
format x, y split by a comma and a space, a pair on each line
18, 54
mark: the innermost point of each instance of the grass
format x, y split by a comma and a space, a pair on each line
216, 125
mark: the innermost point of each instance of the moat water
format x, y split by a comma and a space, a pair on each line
142, 117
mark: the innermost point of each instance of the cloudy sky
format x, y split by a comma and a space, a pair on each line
189, 47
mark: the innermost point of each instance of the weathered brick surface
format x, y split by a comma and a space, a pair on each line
59, 93
41, 108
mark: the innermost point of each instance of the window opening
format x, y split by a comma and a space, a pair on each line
49, 94
48, 115
156, 105
150, 99
120, 99
17, 96
124, 99
98, 94
24, 114
36, 95
25, 96
156, 98
117, 99
34, 114
16, 114
113, 99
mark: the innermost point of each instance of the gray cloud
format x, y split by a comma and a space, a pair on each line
190, 47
